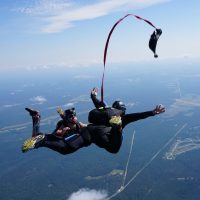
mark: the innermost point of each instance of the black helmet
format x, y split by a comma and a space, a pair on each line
69, 113
119, 105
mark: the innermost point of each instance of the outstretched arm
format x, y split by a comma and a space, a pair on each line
96, 101
126, 119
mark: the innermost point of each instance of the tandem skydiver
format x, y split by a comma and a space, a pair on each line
104, 130
70, 135
65, 139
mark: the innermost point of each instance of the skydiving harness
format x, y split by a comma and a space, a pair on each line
102, 115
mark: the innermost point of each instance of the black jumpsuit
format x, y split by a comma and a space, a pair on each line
110, 138
65, 144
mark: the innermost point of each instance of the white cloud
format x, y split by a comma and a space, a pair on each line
38, 99
184, 105
11, 105
87, 194
81, 98
61, 14
84, 77
45, 7
68, 105
130, 104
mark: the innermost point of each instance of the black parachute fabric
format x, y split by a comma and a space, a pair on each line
153, 41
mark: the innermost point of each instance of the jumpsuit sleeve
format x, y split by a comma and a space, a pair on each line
59, 124
97, 103
126, 119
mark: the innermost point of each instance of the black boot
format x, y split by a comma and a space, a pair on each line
32, 112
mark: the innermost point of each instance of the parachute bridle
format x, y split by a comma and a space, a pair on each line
152, 44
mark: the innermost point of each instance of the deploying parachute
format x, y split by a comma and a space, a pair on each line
152, 43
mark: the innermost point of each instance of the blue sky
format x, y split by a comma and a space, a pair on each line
73, 33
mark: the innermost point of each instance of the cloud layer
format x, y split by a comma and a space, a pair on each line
61, 14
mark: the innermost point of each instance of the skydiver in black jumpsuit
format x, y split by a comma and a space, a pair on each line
65, 139
110, 137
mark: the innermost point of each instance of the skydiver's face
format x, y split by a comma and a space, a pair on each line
72, 119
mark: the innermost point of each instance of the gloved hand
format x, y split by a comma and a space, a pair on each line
159, 109
94, 91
